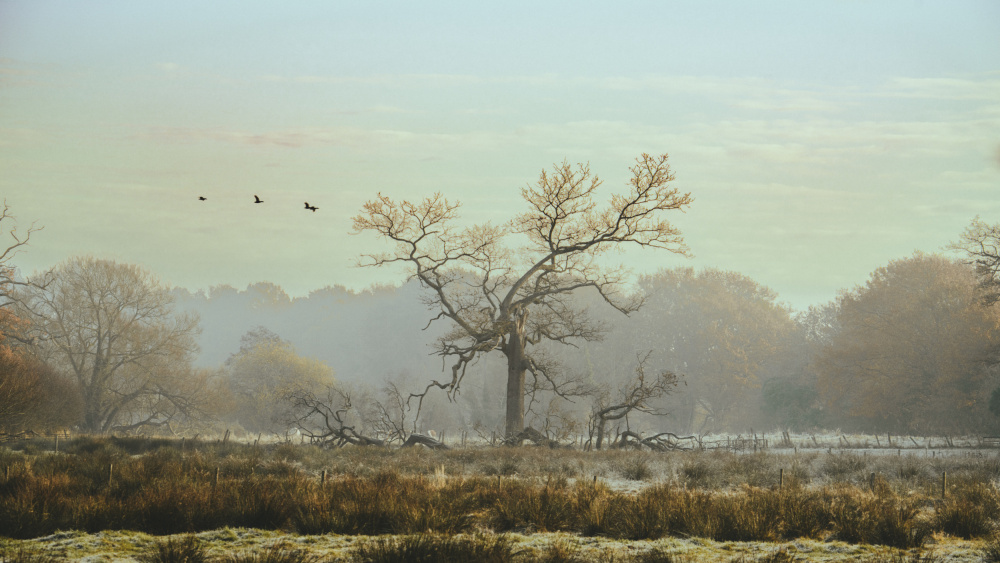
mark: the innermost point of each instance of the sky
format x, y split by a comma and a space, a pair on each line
819, 139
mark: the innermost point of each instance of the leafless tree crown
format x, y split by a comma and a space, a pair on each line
484, 283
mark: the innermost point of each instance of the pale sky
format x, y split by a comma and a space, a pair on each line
819, 139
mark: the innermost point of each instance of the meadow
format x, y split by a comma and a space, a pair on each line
142, 499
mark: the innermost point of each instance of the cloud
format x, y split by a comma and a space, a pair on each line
985, 87
353, 137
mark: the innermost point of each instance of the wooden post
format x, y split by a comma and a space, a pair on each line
215, 479
944, 484
781, 478
322, 479
111, 472
871, 481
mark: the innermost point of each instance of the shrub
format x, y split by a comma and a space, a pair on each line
842, 467
430, 548
185, 550
863, 517
970, 512
635, 468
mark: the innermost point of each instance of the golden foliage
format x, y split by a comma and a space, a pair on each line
913, 348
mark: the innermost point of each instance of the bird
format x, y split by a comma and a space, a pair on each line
311, 207
202, 198
258, 200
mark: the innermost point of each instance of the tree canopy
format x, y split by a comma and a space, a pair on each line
262, 377
913, 350
111, 326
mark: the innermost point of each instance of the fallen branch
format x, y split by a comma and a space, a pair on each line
431, 443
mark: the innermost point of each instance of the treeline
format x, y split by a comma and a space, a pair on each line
105, 347
913, 350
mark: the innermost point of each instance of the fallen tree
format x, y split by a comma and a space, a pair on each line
662, 442
534, 436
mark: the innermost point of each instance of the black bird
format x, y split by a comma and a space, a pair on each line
311, 207
202, 198
257, 199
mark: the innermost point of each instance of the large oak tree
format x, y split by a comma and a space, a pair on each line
506, 287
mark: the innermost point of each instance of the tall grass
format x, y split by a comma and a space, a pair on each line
156, 487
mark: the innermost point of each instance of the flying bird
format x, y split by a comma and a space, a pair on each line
257, 199
202, 198
311, 207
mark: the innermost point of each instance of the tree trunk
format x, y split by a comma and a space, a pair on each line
516, 367
91, 411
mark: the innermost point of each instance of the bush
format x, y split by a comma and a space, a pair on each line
970, 512
430, 548
186, 550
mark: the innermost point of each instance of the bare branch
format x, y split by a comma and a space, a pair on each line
500, 296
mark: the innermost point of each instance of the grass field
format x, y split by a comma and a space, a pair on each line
132, 499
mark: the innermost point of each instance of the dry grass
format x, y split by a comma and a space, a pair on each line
156, 487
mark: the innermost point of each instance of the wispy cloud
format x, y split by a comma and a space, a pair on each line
291, 138
985, 87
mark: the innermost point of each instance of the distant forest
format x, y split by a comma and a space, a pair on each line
913, 350
104, 347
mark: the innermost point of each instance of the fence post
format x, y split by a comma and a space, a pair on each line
111, 472
322, 479
781, 478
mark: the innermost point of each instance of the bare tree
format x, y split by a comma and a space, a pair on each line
112, 327
635, 395
508, 296
13, 286
329, 418
980, 244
